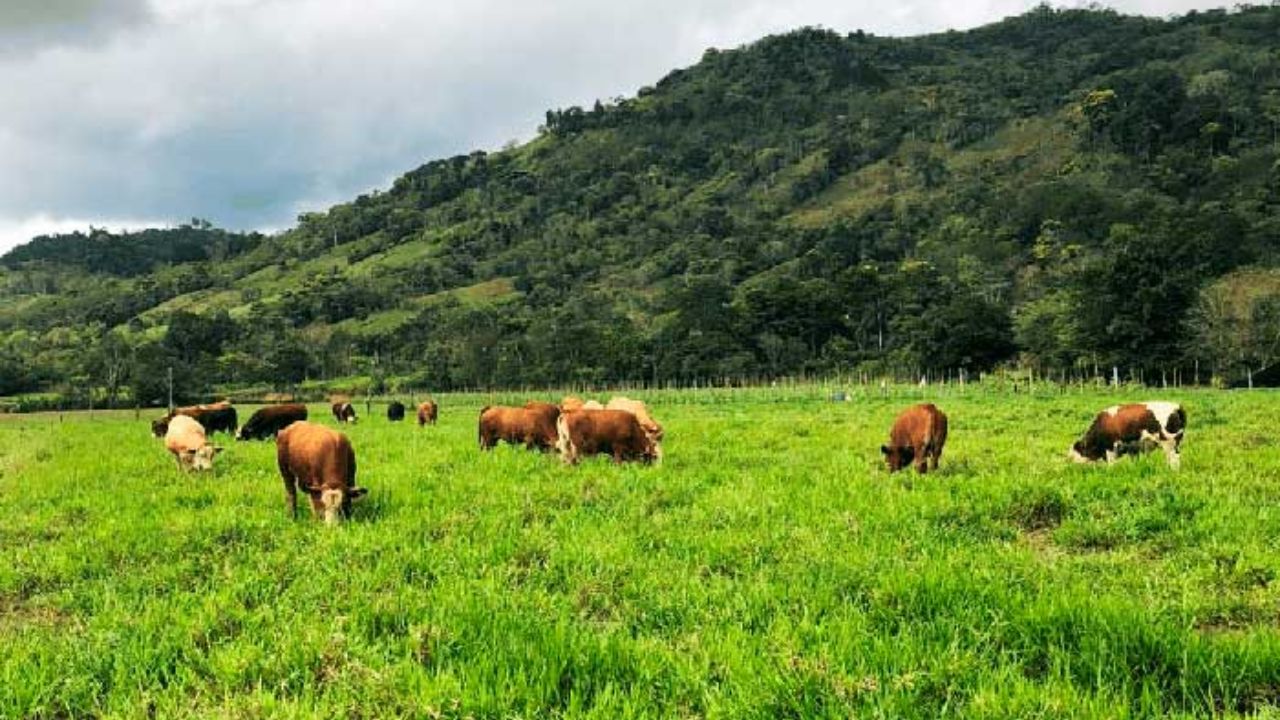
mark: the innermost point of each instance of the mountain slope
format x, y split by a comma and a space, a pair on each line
1055, 188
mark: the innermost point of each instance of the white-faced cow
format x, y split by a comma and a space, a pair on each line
344, 412
1131, 429
320, 462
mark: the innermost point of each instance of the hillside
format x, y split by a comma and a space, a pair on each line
1058, 189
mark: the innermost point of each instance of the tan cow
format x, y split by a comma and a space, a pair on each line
320, 462
571, 403
637, 408
602, 432
533, 426
918, 435
186, 439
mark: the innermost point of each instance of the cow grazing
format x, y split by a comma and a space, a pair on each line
395, 411
637, 408
1131, 429
215, 417
918, 435
616, 433
427, 413
533, 426
269, 421
320, 462
186, 439
344, 412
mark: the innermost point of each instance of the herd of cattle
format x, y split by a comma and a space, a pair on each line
320, 461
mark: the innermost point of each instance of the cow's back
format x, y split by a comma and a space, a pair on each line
319, 458
184, 434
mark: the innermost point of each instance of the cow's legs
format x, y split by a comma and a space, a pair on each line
935, 454
922, 459
1170, 448
290, 489
291, 497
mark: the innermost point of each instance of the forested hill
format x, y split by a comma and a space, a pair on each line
1064, 189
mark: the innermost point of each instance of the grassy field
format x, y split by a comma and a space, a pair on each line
769, 568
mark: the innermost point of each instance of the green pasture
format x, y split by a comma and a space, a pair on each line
770, 567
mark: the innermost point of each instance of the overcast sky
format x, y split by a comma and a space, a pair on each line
125, 113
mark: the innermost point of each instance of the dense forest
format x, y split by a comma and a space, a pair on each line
1066, 190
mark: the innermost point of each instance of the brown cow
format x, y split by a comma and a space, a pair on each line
918, 434
612, 432
1131, 429
637, 408
214, 417
533, 425
427, 413
320, 462
186, 439
343, 412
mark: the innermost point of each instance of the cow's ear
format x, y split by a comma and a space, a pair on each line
357, 492
884, 449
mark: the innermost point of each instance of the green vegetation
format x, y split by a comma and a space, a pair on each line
769, 568
1052, 191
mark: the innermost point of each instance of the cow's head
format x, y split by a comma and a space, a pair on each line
200, 459
653, 446
897, 457
160, 427
1077, 453
336, 503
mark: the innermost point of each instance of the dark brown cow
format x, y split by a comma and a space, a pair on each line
427, 413
918, 435
533, 425
269, 421
603, 432
320, 462
1131, 429
395, 411
344, 412
214, 417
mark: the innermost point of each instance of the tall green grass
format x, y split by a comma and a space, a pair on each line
769, 568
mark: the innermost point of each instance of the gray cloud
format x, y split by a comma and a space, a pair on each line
246, 112
36, 25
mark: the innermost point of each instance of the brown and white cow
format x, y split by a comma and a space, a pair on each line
603, 432
1132, 429
917, 436
533, 426
344, 412
427, 413
186, 439
320, 462
637, 408
269, 421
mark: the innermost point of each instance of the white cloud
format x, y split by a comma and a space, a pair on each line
237, 111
